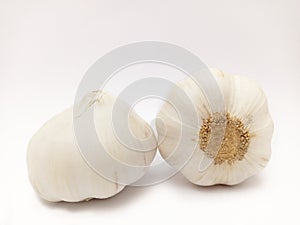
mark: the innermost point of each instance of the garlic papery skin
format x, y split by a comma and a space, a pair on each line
245, 141
57, 167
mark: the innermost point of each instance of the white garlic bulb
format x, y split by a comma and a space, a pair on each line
245, 142
57, 169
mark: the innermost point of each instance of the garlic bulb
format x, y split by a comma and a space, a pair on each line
245, 142
59, 170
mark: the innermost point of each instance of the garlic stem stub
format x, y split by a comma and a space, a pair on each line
57, 168
245, 131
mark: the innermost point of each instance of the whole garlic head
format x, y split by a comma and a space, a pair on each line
245, 131
58, 169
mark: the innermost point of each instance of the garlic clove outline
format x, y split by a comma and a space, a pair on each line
248, 132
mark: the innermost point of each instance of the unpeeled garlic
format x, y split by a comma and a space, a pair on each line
58, 171
244, 129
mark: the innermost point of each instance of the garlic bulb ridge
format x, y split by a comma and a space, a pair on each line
57, 168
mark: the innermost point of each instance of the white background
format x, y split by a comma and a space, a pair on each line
47, 46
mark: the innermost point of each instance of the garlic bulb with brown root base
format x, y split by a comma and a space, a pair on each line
245, 146
60, 171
